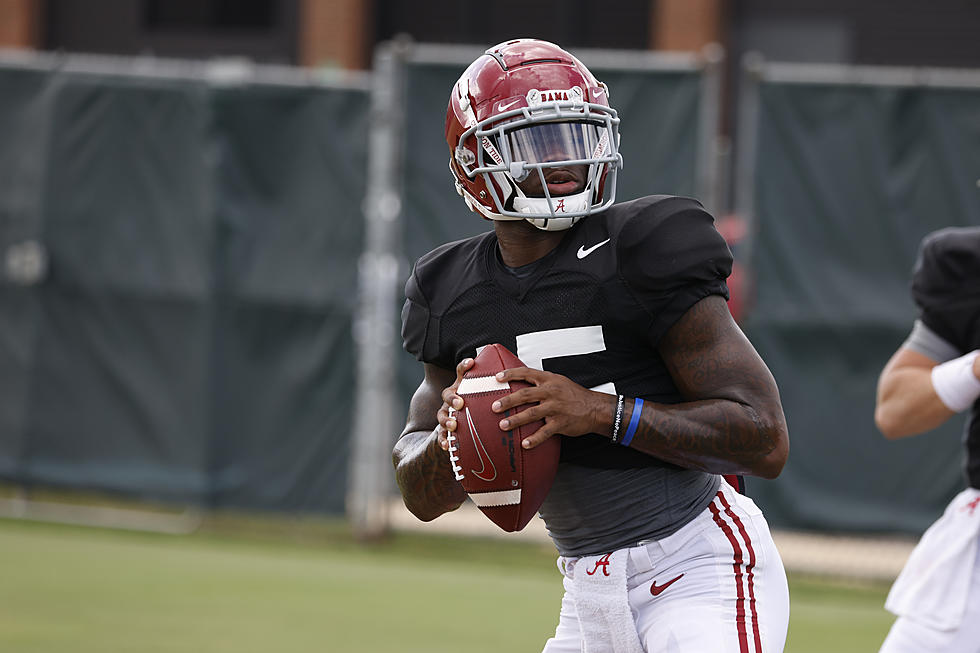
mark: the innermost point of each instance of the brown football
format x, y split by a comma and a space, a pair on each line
507, 482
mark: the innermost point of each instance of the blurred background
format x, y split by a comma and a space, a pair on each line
208, 209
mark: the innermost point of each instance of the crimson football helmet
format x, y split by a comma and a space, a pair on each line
527, 107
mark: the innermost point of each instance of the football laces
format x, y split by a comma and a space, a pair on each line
453, 458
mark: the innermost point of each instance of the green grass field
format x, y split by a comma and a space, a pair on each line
287, 586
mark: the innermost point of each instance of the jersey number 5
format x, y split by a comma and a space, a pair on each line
534, 348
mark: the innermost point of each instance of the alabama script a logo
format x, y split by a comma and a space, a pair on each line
971, 507
601, 562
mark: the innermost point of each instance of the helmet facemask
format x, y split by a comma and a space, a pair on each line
561, 140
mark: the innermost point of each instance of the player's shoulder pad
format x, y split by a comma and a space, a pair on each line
948, 264
437, 279
649, 209
667, 240
442, 274
944, 284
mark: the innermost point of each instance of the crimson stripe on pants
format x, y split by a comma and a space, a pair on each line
743, 642
749, 569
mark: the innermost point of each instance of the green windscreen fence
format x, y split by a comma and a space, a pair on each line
848, 177
662, 132
188, 336
190, 339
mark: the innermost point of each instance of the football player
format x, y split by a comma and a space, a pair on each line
935, 374
619, 312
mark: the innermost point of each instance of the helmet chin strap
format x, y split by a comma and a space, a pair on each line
554, 224
542, 205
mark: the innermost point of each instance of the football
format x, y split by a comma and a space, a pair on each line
507, 482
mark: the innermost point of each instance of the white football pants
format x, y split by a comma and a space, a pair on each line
937, 595
910, 636
717, 585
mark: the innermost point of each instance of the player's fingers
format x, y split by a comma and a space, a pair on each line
520, 374
462, 368
442, 438
526, 416
451, 399
538, 437
449, 396
517, 398
447, 418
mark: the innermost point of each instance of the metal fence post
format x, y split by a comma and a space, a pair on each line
709, 188
746, 150
375, 332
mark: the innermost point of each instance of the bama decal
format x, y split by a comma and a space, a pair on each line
536, 97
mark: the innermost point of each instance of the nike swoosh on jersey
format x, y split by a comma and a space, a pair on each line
657, 589
481, 452
583, 252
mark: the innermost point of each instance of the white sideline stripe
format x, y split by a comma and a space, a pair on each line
502, 498
477, 384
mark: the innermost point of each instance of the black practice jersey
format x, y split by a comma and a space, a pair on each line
594, 309
946, 288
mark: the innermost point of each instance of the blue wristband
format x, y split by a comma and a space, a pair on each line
634, 421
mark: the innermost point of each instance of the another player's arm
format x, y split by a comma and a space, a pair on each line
422, 468
731, 421
907, 403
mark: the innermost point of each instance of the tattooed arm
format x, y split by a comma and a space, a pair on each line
731, 421
422, 468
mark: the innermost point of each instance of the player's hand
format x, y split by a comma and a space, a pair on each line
451, 403
565, 406
976, 367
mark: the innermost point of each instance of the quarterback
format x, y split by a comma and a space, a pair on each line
935, 374
619, 312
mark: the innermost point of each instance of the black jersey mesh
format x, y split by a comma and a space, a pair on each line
486, 310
